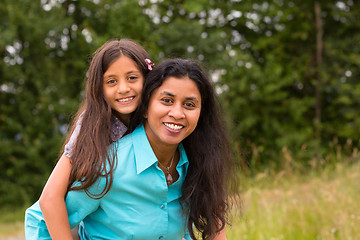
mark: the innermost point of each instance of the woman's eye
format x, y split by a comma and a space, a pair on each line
189, 105
166, 100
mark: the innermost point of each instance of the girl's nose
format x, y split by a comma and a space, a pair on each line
123, 87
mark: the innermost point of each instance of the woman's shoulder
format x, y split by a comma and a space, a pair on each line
125, 145
124, 142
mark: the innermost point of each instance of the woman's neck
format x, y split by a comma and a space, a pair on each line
163, 151
164, 154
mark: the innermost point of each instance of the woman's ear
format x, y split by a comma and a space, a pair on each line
145, 115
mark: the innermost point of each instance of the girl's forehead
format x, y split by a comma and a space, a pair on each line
123, 63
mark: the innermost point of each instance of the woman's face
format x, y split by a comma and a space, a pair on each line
123, 83
173, 112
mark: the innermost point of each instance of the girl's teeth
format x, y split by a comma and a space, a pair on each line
125, 99
173, 126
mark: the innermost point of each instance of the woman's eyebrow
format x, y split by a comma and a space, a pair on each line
167, 93
172, 95
192, 99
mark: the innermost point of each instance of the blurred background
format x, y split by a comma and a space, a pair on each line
287, 74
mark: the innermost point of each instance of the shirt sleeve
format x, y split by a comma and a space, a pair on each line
35, 227
70, 144
79, 204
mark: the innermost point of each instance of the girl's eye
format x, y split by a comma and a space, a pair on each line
132, 78
111, 81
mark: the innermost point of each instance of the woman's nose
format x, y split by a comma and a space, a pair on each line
177, 111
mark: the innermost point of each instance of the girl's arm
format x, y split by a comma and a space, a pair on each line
58, 224
221, 235
52, 200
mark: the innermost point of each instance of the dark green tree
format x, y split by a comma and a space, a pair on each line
286, 73
44, 49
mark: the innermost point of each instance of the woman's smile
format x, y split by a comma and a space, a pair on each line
174, 128
173, 112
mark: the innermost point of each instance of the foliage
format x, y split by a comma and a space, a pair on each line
271, 79
45, 49
261, 56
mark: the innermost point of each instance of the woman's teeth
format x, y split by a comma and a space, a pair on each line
173, 126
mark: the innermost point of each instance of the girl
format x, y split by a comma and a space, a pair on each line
169, 173
115, 80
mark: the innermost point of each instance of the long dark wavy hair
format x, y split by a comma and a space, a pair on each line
91, 153
205, 190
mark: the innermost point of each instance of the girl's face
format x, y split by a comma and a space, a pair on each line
122, 84
173, 112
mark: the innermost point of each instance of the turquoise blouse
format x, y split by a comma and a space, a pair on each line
139, 204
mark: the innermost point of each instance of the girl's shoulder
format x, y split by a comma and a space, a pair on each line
118, 129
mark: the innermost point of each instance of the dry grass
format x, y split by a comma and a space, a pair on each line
11, 222
320, 205
314, 206
15, 230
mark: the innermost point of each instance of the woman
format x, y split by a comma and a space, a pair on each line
169, 175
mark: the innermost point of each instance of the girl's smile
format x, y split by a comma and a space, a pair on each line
125, 100
123, 82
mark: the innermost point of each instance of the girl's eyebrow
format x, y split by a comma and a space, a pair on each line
129, 72
133, 71
109, 76
172, 95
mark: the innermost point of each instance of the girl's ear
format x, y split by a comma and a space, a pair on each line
145, 115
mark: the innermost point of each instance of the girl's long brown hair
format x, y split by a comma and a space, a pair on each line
91, 156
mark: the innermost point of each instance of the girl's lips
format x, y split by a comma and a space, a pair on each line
125, 100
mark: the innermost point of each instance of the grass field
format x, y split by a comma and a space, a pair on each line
11, 222
318, 205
